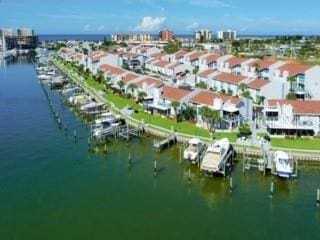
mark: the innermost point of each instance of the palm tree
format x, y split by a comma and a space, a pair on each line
291, 80
243, 87
210, 116
260, 100
246, 94
175, 105
132, 87
120, 85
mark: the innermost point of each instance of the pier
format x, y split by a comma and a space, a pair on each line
165, 143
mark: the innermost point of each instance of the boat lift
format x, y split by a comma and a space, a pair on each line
266, 163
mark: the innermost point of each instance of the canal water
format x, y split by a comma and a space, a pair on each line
54, 188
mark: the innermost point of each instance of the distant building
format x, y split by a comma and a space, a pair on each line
4, 32
120, 37
227, 35
22, 39
141, 37
166, 35
203, 35
25, 32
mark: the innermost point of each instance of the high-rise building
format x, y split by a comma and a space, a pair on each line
227, 35
25, 32
166, 35
120, 37
203, 35
22, 39
5, 32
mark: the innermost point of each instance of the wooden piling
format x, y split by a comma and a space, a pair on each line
155, 170
231, 185
75, 135
271, 189
318, 197
189, 175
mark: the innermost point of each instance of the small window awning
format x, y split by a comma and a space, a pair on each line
159, 107
230, 108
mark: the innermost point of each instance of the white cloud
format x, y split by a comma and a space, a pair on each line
211, 3
87, 27
192, 26
100, 28
150, 24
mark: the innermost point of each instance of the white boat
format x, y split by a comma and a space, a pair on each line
92, 107
216, 157
102, 129
194, 149
79, 100
283, 167
109, 118
44, 77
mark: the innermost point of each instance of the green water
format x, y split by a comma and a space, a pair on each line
52, 188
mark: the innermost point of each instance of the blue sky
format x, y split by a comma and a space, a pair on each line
183, 16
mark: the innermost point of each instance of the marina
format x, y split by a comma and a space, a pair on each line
57, 170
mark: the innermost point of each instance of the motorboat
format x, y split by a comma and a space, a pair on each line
193, 150
216, 157
283, 167
79, 100
92, 107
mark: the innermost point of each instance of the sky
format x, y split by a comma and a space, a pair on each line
182, 16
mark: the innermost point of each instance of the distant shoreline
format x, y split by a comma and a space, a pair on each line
97, 37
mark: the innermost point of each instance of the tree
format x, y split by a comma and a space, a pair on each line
201, 85
195, 70
141, 95
120, 85
291, 80
244, 130
100, 76
260, 100
246, 94
189, 113
291, 96
132, 87
172, 47
175, 105
210, 116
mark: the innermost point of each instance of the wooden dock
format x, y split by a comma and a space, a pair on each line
165, 143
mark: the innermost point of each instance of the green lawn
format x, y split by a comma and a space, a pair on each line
232, 136
189, 128
305, 144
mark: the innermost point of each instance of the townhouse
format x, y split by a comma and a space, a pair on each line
234, 65
261, 68
208, 61
163, 98
226, 83
112, 73
292, 117
99, 58
192, 58
303, 80
232, 110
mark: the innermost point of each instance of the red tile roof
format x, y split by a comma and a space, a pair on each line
99, 56
229, 78
235, 61
174, 94
206, 73
180, 53
294, 69
157, 55
161, 63
207, 98
195, 56
175, 65
129, 77
110, 69
149, 81
299, 106
212, 58
263, 64
258, 83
